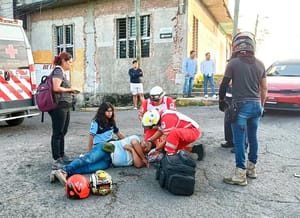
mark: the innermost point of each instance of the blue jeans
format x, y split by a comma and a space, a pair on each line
248, 119
212, 84
188, 85
96, 159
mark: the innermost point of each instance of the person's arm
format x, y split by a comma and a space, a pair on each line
223, 87
142, 109
90, 142
141, 72
161, 145
138, 162
57, 88
214, 67
222, 93
120, 135
155, 136
263, 91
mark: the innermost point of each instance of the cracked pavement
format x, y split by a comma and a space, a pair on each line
25, 160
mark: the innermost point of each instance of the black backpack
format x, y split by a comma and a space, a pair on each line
176, 173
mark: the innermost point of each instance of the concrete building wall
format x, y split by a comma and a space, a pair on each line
211, 39
6, 9
96, 69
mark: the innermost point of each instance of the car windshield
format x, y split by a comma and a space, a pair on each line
284, 70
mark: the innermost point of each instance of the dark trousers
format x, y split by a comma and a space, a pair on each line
60, 122
227, 123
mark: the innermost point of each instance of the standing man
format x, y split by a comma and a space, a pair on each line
136, 85
189, 68
208, 68
249, 90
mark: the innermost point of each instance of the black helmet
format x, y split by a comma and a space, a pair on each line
243, 41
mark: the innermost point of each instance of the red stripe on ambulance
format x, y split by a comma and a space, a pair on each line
20, 83
11, 89
3, 96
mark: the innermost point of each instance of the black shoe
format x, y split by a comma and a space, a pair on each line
199, 150
191, 96
227, 145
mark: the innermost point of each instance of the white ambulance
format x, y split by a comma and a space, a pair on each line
17, 75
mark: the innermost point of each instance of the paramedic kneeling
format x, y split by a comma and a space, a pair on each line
178, 129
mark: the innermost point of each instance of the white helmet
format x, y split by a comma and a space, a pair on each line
150, 119
101, 183
156, 93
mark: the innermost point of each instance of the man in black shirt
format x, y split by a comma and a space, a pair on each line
136, 85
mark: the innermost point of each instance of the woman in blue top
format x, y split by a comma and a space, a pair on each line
103, 127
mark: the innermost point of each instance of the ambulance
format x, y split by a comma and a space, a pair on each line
17, 75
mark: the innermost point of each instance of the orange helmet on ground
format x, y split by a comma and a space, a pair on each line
77, 187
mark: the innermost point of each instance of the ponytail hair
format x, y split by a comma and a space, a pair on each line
61, 56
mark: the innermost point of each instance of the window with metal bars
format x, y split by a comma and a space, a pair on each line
126, 37
64, 39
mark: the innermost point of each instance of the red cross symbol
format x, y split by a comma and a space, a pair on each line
11, 51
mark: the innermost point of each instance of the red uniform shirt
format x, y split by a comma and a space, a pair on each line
170, 120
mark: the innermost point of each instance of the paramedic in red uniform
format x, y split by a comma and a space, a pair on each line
158, 101
180, 130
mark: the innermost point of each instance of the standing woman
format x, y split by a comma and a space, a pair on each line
60, 116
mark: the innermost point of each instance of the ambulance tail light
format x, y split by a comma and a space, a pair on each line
33, 78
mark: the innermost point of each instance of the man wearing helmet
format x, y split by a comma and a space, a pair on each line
178, 129
158, 101
249, 89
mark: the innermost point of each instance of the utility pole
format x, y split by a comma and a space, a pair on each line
138, 31
236, 16
256, 25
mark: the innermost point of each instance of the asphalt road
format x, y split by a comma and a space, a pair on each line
25, 161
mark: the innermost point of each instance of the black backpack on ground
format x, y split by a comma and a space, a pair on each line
176, 173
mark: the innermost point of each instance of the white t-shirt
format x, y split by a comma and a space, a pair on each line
121, 157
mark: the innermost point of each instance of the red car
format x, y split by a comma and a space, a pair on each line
283, 78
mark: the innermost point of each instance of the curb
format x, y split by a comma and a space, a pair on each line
180, 102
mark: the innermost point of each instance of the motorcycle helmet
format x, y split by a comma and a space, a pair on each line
243, 41
101, 183
156, 93
150, 119
77, 187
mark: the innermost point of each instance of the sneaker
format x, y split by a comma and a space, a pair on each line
227, 145
134, 108
214, 96
205, 96
191, 96
108, 147
58, 164
61, 175
239, 178
199, 150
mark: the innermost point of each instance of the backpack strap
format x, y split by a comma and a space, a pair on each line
42, 117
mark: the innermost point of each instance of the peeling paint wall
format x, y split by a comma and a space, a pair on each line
97, 71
